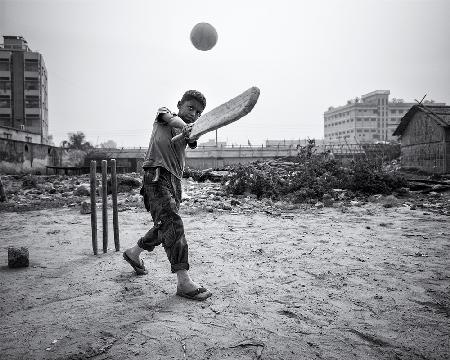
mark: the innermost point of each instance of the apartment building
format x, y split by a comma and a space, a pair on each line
23, 92
369, 119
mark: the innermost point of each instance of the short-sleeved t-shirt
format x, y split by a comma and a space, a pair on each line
162, 152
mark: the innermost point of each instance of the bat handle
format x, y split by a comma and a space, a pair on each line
177, 137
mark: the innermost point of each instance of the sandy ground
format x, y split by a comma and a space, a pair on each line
360, 282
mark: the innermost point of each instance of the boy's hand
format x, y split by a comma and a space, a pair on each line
187, 132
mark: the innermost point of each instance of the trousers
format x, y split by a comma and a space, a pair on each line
162, 197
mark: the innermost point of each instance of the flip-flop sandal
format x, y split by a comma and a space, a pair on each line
194, 295
138, 268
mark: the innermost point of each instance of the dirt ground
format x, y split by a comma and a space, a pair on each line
358, 282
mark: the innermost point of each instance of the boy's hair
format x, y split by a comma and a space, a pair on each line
194, 94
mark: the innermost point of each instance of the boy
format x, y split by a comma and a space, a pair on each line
163, 170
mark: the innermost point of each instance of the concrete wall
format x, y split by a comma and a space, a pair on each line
425, 145
22, 157
205, 158
19, 135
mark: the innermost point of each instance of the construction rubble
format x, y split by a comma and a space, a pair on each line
273, 187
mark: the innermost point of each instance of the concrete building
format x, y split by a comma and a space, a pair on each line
23, 92
425, 138
371, 119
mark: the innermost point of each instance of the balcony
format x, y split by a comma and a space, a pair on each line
5, 92
5, 74
5, 111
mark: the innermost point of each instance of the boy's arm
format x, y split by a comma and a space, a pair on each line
173, 121
177, 122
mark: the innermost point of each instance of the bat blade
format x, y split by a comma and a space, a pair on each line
224, 114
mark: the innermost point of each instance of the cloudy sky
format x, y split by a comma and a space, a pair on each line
111, 64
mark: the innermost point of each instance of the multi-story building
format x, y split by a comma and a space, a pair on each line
23, 92
371, 119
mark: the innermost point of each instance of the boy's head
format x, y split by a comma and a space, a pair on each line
191, 106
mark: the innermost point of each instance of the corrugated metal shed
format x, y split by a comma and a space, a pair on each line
438, 113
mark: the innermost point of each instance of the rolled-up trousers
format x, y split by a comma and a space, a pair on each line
162, 196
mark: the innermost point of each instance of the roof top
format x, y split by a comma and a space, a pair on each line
439, 113
376, 92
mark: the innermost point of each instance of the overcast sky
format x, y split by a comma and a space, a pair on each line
111, 64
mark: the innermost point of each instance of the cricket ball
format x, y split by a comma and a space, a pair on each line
203, 36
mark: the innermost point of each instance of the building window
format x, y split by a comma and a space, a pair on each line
31, 65
32, 102
5, 102
31, 85
7, 135
5, 84
4, 65
28, 138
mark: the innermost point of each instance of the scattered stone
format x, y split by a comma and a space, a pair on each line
29, 182
234, 202
125, 183
18, 257
327, 200
224, 206
85, 208
375, 198
82, 190
390, 201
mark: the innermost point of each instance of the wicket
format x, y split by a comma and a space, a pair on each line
93, 183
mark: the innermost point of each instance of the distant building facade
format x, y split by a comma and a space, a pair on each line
294, 143
425, 138
371, 119
212, 142
23, 92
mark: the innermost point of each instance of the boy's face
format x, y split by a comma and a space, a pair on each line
189, 110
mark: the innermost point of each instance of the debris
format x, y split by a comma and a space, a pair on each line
18, 257
82, 190
85, 207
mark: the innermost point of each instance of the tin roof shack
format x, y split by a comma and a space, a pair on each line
425, 138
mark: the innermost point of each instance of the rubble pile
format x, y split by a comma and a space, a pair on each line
310, 180
274, 187
33, 192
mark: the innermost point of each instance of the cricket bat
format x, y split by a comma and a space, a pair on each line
224, 114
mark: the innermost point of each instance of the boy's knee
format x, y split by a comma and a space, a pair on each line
171, 231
